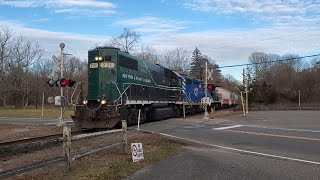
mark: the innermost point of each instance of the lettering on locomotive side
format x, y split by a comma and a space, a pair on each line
127, 76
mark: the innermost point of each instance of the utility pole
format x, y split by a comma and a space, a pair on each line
62, 45
244, 84
299, 100
247, 100
206, 115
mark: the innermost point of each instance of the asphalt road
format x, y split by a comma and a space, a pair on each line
264, 145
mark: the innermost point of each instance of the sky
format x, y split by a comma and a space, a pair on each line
227, 31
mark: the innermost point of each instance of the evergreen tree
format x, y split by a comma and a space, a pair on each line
196, 64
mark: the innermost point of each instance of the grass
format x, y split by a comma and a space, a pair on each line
111, 165
51, 113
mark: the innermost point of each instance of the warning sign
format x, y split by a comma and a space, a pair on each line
137, 152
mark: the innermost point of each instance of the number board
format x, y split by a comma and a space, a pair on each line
94, 65
107, 65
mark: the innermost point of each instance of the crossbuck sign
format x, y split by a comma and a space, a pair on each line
209, 75
137, 152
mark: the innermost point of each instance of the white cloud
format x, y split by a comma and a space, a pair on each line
270, 11
220, 45
66, 6
149, 24
82, 11
76, 44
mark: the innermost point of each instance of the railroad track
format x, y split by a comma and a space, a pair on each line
35, 139
25, 145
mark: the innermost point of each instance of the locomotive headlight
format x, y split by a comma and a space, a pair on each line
96, 58
100, 58
85, 101
103, 101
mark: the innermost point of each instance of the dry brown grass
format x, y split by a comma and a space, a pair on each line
110, 164
51, 113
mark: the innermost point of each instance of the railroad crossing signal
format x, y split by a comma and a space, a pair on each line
209, 75
210, 86
61, 82
51, 82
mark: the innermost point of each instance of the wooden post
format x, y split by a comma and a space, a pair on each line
67, 146
42, 104
213, 110
184, 111
244, 113
124, 136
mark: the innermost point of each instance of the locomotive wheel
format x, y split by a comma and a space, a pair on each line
177, 112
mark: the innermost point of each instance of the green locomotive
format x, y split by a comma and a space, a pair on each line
120, 84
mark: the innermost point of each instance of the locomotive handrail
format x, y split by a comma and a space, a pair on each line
71, 99
119, 96
124, 92
171, 89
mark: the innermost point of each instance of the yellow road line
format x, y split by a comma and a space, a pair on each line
276, 135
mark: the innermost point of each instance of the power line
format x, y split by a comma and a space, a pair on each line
248, 64
267, 39
280, 60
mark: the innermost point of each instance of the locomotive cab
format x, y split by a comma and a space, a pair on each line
102, 63
99, 109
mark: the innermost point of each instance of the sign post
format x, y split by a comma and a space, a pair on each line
206, 115
62, 45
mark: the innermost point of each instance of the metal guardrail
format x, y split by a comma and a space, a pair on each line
67, 158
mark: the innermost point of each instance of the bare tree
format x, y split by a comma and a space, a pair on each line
149, 54
176, 59
23, 53
230, 83
5, 37
126, 41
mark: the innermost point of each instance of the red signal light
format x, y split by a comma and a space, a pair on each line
63, 82
210, 87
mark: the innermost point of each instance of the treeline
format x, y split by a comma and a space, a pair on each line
24, 71
283, 81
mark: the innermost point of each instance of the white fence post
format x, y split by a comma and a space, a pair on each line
124, 136
138, 128
67, 146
